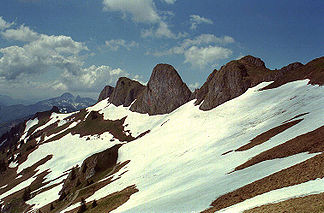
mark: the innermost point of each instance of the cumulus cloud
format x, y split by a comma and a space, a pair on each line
4, 25
201, 56
92, 78
169, 1
203, 39
41, 54
195, 20
118, 43
201, 50
140, 10
23, 33
194, 86
161, 31
143, 11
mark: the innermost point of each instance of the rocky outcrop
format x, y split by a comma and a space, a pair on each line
164, 92
98, 164
105, 93
125, 92
313, 70
232, 80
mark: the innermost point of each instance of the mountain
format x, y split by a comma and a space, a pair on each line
10, 115
6, 100
250, 139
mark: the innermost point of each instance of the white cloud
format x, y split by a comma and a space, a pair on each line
140, 10
144, 11
201, 56
59, 86
194, 86
195, 20
42, 54
203, 39
207, 39
4, 25
93, 78
169, 1
118, 43
23, 33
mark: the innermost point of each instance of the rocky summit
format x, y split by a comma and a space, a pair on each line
125, 92
105, 93
234, 79
164, 92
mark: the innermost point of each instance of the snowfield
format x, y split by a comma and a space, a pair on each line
179, 165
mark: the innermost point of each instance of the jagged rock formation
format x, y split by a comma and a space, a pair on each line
234, 78
105, 93
101, 162
164, 93
125, 92
313, 70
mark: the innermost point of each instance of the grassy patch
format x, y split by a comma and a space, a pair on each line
111, 201
311, 203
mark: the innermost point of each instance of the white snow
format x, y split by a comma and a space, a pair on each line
179, 166
29, 124
3, 142
2, 187
20, 186
275, 196
67, 152
55, 117
13, 164
45, 198
183, 158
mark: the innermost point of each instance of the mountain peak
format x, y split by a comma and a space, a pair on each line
105, 93
67, 96
251, 60
164, 93
125, 92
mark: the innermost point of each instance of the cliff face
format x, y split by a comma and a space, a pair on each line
164, 92
105, 93
234, 78
125, 92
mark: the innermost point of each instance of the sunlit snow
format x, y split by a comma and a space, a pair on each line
179, 166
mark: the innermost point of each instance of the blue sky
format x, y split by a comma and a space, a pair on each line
50, 47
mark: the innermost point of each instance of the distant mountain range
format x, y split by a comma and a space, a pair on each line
13, 114
6, 100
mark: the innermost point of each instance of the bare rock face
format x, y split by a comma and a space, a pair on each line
125, 92
92, 167
232, 80
105, 93
164, 92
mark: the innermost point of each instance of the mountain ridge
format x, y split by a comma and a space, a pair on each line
260, 144
10, 115
232, 80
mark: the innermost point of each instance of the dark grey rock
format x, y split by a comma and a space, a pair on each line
232, 80
125, 92
164, 92
105, 93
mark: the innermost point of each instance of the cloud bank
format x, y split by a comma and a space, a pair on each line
60, 57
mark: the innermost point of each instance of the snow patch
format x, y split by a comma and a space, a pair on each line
17, 188
45, 198
275, 196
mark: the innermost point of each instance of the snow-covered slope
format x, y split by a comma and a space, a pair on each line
187, 159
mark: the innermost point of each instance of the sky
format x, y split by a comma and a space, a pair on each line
50, 47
